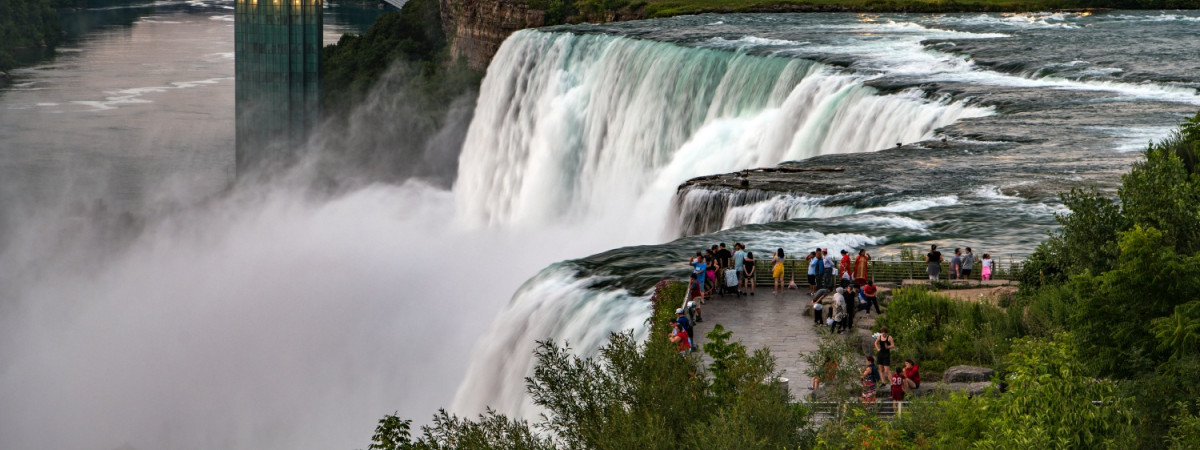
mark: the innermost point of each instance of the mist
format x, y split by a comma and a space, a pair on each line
291, 309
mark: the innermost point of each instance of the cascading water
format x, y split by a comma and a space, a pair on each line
596, 128
589, 127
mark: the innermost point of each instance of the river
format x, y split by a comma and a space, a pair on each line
144, 295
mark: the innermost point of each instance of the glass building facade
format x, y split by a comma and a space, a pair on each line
277, 69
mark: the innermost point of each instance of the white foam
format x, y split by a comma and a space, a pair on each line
780, 208
917, 204
885, 221
992, 192
1131, 139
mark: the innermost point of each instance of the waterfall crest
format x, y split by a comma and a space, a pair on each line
574, 127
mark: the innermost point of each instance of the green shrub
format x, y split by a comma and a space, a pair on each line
938, 332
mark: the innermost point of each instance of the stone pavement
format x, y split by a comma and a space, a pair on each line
775, 322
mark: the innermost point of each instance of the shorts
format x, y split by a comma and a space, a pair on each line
741, 275
966, 273
812, 280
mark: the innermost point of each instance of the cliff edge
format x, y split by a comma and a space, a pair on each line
476, 28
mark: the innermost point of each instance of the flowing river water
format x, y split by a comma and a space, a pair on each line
142, 296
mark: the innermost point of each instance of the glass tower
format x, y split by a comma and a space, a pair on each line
277, 67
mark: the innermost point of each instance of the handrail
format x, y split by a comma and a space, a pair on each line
887, 271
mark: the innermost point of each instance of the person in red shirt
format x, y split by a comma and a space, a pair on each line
869, 294
897, 387
912, 373
680, 337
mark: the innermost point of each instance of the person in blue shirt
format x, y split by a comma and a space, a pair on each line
820, 269
700, 269
739, 264
812, 273
684, 324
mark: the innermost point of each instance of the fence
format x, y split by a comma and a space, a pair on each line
886, 271
884, 409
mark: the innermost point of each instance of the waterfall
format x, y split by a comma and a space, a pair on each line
580, 127
700, 211
585, 128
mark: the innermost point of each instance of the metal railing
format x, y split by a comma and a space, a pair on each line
884, 271
887, 409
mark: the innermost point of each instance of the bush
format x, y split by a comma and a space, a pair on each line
938, 332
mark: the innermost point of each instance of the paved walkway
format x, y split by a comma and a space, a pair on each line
775, 322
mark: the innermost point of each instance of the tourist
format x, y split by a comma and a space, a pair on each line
861, 264
844, 268
883, 351
694, 291
724, 256
968, 263
777, 271
739, 256
681, 339
934, 258
986, 262
897, 387
700, 270
819, 271
684, 323
711, 282
827, 260
750, 272
870, 377
869, 293
851, 295
818, 308
829, 373
839, 312
912, 374
956, 265
812, 261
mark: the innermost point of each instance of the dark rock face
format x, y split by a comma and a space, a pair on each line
476, 28
701, 204
967, 374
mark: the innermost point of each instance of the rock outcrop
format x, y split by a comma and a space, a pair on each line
967, 374
476, 28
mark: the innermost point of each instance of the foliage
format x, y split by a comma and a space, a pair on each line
391, 434
668, 296
634, 395
357, 62
1159, 397
1179, 333
844, 384
1186, 432
491, 430
940, 332
1049, 403
26, 25
1115, 309
860, 428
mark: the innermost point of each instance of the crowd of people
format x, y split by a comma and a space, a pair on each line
961, 264
844, 281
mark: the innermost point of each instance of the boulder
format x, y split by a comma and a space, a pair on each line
967, 374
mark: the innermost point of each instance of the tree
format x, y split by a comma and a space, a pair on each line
1050, 403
